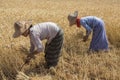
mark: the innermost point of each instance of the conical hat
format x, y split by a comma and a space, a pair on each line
20, 27
72, 17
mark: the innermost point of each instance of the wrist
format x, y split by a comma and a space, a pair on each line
35, 52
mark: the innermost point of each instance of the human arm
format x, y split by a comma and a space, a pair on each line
88, 29
85, 38
35, 42
32, 47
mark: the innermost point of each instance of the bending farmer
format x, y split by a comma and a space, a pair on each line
46, 30
91, 23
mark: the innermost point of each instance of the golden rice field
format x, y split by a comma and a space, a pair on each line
74, 63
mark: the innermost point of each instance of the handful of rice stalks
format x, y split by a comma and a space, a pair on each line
22, 76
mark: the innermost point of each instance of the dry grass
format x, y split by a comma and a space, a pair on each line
74, 64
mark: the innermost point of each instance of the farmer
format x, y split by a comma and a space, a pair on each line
46, 30
99, 40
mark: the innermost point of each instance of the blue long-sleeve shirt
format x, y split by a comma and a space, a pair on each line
99, 39
89, 23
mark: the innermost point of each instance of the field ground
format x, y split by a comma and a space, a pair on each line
74, 63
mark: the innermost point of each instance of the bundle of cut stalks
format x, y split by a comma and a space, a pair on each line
22, 76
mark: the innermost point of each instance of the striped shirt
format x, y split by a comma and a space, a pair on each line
41, 31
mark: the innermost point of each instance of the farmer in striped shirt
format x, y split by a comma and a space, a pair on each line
46, 30
99, 40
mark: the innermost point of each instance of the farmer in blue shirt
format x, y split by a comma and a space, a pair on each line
99, 40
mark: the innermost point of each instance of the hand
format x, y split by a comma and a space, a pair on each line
27, 61
85, 38
29, 57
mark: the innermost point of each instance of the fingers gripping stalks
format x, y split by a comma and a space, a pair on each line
85, 38
27, 60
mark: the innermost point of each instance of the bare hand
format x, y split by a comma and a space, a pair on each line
31, 55
85, 38
28, 58
27, 61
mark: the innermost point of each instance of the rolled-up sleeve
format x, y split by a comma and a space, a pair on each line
86, 26
36, 42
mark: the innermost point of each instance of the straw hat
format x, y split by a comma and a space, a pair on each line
20, 27
72, 18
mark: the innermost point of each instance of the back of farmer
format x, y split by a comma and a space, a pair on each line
46, 30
